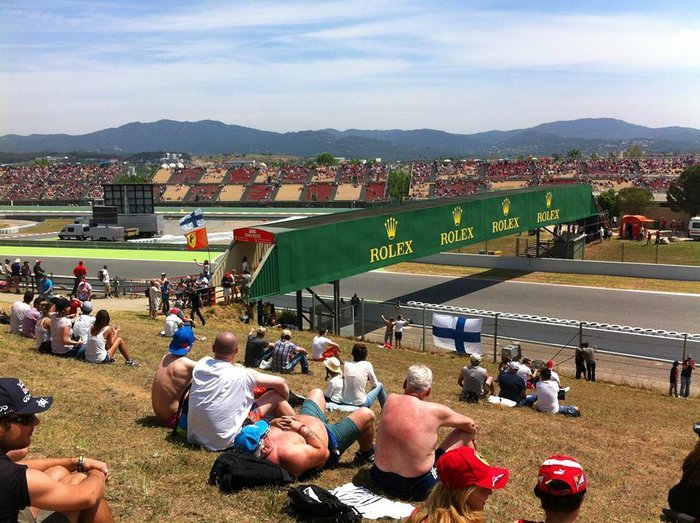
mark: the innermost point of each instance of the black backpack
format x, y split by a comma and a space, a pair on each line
101, 275
234, 470
313, 504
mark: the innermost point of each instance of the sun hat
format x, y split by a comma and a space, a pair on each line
15, 398
561, 475
182, 341
286, 332
248, 439
464, 467
332, 364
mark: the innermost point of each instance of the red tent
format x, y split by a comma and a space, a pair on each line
631, 226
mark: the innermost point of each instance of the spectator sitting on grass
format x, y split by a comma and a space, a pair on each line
104, 341
475, 381
18, 310
356, 375
286, 355
62, 342
42, 330
30, 489
30, 318
547, 396
334, 389
323, 347
173, 376
561, 487
84, 322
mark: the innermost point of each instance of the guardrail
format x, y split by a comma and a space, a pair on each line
88, 244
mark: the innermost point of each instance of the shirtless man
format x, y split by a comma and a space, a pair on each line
301, 443
173, 375
408, 434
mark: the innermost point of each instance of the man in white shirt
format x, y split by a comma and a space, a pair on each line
399, 324
547, 396
555, 375
84, 322
323, 347
19, 309
221, 398
106, 282
524, 370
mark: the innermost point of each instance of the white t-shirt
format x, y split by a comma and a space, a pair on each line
19, 309
105, 276
524, 372
57, 326
220, 399
547, 392
357, 373
318, 346
555, 377
399, 325
172, 323
334, 390
82, 326
96, 347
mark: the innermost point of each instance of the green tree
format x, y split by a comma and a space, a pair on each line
635, 200
609, 201
634, 151
326, 159
399, 184
573, 154
684, 193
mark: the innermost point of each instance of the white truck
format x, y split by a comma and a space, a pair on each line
107, 233
75, 231
694, 228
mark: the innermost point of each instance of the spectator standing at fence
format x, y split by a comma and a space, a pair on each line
389, 332
103, 276
589, 357
580, 360
79, 272
16, 270
26, 272
7, 271
686, 374
38, 273
398, 329
84, 292
46, 287
153, 299
245, 284
673, 379
206, 270
227, 286
164, 293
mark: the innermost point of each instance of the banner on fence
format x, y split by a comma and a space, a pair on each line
457, 333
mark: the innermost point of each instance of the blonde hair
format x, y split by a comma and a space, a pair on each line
447, 506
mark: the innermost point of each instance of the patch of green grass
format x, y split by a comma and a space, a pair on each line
630, 441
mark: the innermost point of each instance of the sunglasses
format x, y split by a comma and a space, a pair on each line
26, 419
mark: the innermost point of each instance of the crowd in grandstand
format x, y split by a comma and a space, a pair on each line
348, 181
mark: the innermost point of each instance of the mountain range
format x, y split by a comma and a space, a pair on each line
589, 135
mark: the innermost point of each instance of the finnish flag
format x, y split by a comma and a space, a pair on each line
457, 333
194, 220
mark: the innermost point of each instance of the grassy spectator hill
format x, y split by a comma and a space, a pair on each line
631, 440
211, 137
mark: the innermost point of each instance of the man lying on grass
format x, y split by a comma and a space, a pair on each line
72, 488
306, 441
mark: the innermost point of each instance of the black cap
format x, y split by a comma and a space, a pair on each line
15, 398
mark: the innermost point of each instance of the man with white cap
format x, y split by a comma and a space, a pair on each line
30, 489
173, 375
84, 322
475, 381
561, 487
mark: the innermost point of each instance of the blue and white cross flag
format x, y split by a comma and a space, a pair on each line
457, 333
194, 220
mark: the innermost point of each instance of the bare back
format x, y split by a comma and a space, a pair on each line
173, 375
408, 434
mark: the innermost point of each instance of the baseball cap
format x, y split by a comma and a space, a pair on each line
248, 439
86, 306
475, 357
174, 310
162, 274
15, 398
550, 364
513, 365
182, 341
561, 476
287, 332
332, 364
464, 467
38, 261
17, 260
261, 330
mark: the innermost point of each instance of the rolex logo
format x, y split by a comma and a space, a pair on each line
390, 225
457, 216
506, 206
548, 199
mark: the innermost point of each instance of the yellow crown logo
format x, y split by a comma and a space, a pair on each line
457, 215
548, 199
390, 225
506, 206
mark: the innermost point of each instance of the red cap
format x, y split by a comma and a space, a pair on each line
550, 364
464, 467
561, 476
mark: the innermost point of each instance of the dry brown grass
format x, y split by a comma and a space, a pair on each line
630, 441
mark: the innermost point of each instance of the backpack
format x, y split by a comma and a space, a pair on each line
314, 504
234, 470
101, 275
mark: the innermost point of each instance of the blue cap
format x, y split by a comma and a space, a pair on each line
182, 342
248, 439
15, 398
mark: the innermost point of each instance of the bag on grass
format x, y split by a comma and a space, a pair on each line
233, 471
313, 504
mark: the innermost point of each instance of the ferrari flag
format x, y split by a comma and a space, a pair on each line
197, 239
456, 333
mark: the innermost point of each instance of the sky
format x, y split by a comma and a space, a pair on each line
69, 66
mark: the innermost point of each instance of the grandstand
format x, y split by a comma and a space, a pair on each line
319, 192
231, 193
162, 176
374, 191
175, 193
212, 175
289, 192
186, 176
259, 193
203, 193
347, 192
240, 175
